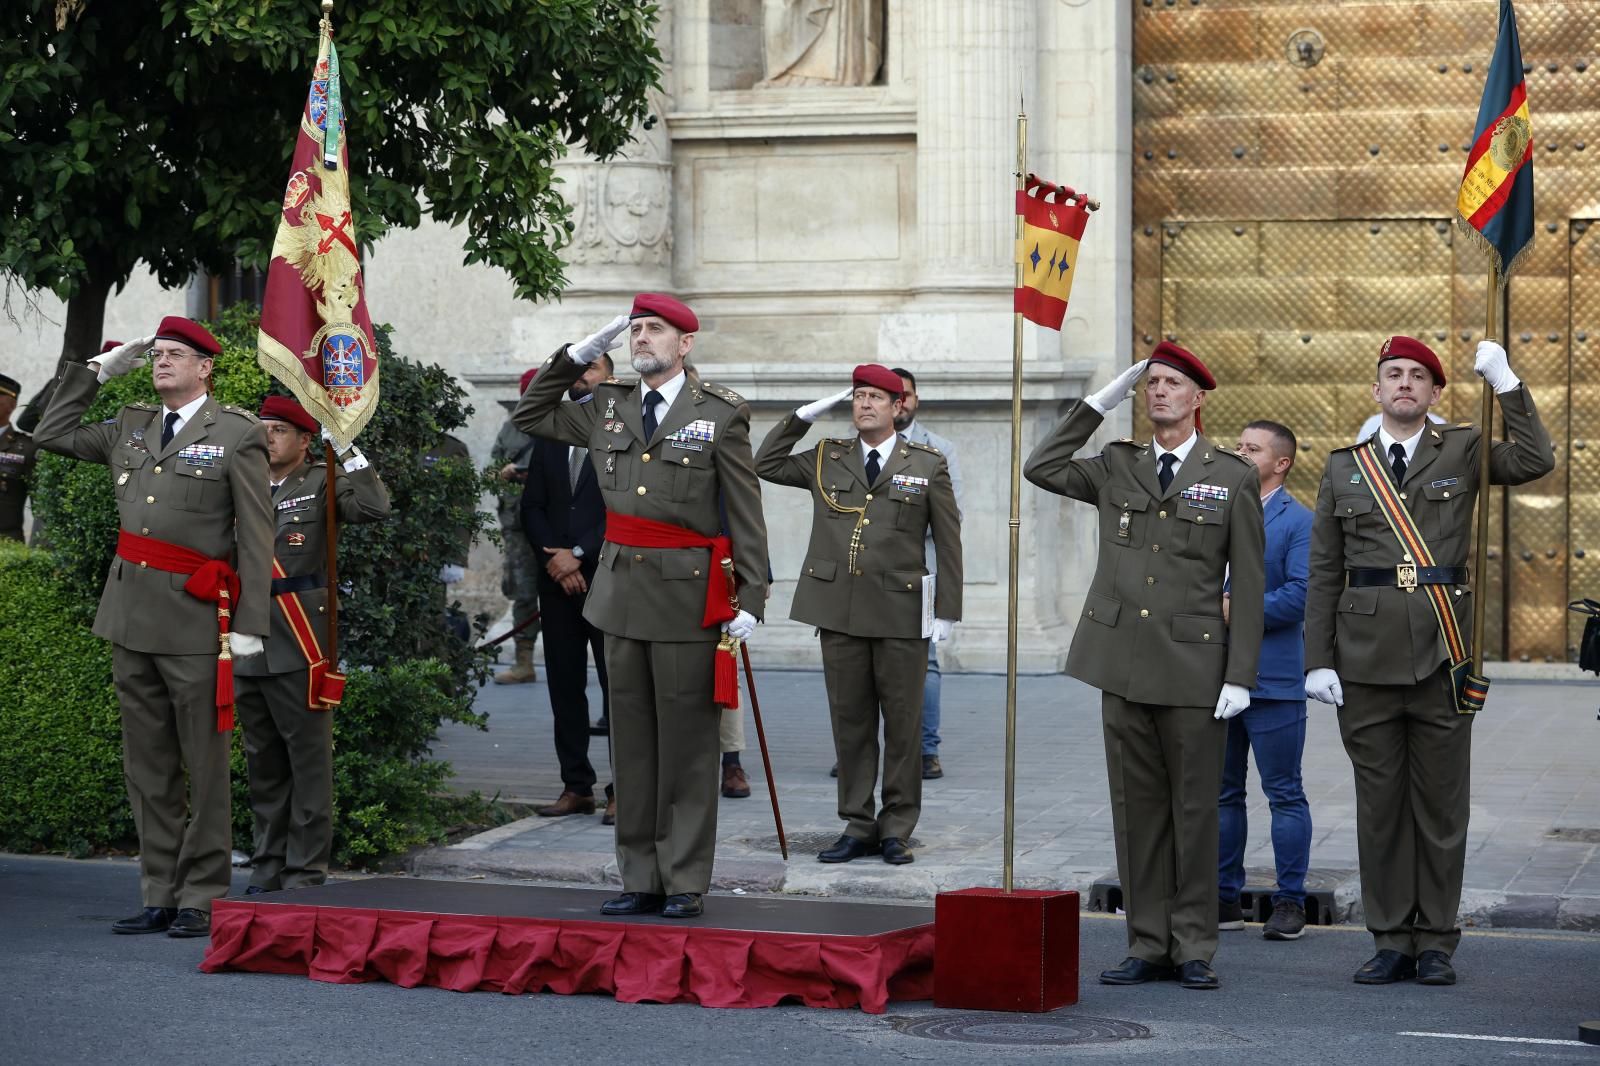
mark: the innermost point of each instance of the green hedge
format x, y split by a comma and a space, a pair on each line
61, 785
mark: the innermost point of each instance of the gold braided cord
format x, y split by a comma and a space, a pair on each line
859, 512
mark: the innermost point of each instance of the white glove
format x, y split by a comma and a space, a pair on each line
1323, 686
353, 459
1120, 389
816, 408
942, 628
120, 360
1493, 366
452, 574
603, 340
741, 626
1234, 698
243, 645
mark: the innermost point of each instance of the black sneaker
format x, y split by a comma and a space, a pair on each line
1229, 914
1288, 921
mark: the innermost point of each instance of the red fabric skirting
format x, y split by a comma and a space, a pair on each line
633, 962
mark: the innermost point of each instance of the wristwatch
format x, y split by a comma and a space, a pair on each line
577, 551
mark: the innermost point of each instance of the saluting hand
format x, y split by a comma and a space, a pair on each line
602, 340
121, 359
817, 408
1120, 389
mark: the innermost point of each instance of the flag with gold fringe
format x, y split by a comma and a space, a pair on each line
1053, 218
1495, 205
316, 334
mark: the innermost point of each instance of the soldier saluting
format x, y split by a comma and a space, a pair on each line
672, 456
1377, 648
194, 560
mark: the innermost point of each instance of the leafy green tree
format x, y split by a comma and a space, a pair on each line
159, 131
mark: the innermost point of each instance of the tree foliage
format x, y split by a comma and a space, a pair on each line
160, 131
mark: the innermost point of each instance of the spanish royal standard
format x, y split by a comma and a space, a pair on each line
1050, 221
316, 334
1495, 205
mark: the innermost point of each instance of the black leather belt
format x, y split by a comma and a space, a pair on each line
1405, 576
282, 586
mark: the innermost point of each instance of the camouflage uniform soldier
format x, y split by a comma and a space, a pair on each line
519, 570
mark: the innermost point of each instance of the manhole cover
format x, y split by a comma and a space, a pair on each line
1013, 1029
805, 842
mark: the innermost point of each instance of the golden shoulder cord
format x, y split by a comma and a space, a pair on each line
859, 512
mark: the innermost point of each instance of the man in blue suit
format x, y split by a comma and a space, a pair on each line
1274, 725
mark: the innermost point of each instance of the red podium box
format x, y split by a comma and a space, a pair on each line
1005, 951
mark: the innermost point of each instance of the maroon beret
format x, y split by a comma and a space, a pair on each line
527, 379
1185, 361
1411, 348
187, 331
663, 306
108, 345
877, 376
287, 409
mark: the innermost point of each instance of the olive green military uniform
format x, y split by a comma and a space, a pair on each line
1151, 638
17, 455
861, 586
206, 491
650, 602
1410, 749
519, 570
288, 746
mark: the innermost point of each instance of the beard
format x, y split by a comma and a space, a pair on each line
650, 363
579, 390
901, 422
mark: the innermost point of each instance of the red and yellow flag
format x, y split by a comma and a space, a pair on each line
1052, 220
316, 334
1495, 205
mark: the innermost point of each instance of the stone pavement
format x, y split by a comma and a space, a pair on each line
1532, 845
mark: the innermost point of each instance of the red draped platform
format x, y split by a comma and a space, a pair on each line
746, 951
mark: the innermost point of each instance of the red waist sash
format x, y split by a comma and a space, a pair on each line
211, 580
632, 532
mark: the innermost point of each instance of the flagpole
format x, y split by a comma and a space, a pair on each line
1016, 528
1493, 330
332, 538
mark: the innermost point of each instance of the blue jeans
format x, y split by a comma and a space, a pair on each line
930, 704
1276, 730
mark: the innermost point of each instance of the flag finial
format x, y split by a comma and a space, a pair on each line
327, 8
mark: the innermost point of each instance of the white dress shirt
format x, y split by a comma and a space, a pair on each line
1410, 444
669, 394
186, 412
1181, 451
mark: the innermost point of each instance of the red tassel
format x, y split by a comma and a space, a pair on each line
224, 694
726, 689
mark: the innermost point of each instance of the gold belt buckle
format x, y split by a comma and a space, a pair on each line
1405, 576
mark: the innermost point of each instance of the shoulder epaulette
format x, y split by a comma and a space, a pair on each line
1459, 425
925, 447
619, 383
139, 405
248, 416
840, 440
1232, 455
723, 393
1128, 441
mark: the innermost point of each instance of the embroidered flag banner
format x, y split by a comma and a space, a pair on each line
1053, 217
316, 334
1495, 205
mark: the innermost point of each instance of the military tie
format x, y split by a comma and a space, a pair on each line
166, 428
1397, 461
1167, 462
575, 467
873, 467
651, 398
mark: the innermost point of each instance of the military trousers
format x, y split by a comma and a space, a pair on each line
1412, 755
169, 726
664, 762
1165, 769
288, 749
873, 679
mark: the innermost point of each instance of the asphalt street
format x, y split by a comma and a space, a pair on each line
74, 993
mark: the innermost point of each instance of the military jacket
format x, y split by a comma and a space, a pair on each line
1388, 636
300, 510
207, 490
865, 564
17, 455
511, 445
1151, 629
695, 469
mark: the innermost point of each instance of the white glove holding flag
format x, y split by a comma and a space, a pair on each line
1120, 389
1323, 686
244, 645
602, 340
1493, 366
121, 359
740, 627
353, 459
1234, 699
816, 408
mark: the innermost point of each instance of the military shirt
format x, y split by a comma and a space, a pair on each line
17, 457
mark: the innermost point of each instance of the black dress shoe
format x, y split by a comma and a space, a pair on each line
255, 890
601, 727
896, 853
683, 905
1385, 968
1136, 972
633, 903
846, 848
1433, 968
1197, 974
149, 920
191, 921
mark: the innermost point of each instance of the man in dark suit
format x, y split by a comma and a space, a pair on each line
564, 519
1274, 725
